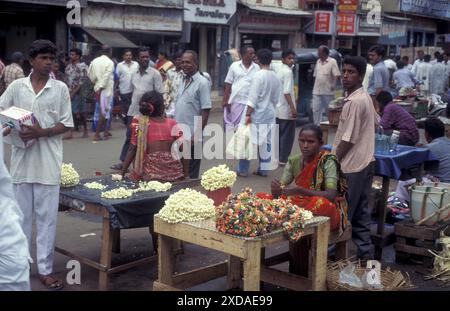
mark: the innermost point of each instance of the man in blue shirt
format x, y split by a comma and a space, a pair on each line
404, 78
379, 81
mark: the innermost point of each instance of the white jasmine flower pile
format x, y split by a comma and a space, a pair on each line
119, 193
153, 186
95, 185
69, 176
187, 205
218, 177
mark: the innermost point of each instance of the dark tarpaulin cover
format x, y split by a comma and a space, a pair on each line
134, 212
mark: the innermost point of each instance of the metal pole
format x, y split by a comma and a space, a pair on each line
334, 32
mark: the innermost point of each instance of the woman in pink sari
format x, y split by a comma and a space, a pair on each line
152, 137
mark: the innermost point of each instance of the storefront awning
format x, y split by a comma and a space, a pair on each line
396, 18
276, 10
111, 38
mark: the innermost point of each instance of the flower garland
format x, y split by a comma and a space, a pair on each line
69, 176
95, 185
187, 205
218, 177
247, 215
118, 193
153, 186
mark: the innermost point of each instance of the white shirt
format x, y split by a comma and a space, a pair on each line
40, 163
13, 242
286, 77
367, 76
124, 72
101, 73
263, 97
423, 75
326, 74
416, 66
240, 79
390, 64
141, 84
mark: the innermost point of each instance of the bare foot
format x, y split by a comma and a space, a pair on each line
85, 135
107, 134
96, 138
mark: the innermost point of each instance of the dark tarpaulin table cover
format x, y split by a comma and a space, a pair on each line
392, 164
134, 212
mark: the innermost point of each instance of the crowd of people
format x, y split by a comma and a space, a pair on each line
170, 101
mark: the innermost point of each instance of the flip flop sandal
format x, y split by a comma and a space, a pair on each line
51, 282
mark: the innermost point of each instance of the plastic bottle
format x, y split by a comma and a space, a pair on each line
394, 141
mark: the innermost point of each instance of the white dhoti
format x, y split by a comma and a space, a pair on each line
14, 273
44, 201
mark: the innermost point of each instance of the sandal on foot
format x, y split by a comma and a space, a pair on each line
117, 167
50, 282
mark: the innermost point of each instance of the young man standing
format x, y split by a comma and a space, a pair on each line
76, 73
101, 74
379, 80
354, 147
124, 71
286, 108
36, 170
263, 98
237, 85
193, 105
326, 73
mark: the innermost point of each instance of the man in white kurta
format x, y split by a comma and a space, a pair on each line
237, 85
36, 170
14, 254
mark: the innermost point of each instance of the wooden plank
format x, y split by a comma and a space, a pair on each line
320, 257
277, 259
158, 286
201, 275
166, 260
412, 250
106, 253
83, 260
285, 279
299, 256
234, 275
409, 230
252, 266
281, 237
202, 237
346, 236
133, 264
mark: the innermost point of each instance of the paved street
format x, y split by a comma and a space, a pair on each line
87, 158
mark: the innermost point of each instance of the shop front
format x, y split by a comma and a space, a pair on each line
128, 26
267, 27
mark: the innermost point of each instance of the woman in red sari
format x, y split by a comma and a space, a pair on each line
152, 139
319, 184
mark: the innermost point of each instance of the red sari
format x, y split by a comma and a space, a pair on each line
312, 177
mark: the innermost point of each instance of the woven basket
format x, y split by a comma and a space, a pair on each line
390, 279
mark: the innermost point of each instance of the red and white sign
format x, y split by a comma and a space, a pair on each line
323, 21
348, 6
346, 24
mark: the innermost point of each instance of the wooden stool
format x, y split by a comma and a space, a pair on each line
413, 241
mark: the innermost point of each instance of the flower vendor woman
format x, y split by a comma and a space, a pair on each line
319, 184
152, 137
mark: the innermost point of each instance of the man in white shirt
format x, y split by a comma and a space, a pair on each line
237, 85
101, 73
14, 252
423, 74
143, 80
419, 60
36, 170
124, 71
326, 73
286, 108
260, 113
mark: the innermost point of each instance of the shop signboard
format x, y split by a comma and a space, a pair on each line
209, 11
393, 32
348, 6
322, 22
250, 20
346, 24
432, 8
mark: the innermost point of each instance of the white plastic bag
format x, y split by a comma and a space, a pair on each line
240, 145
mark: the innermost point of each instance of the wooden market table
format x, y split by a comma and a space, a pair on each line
249, 251
141, 208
